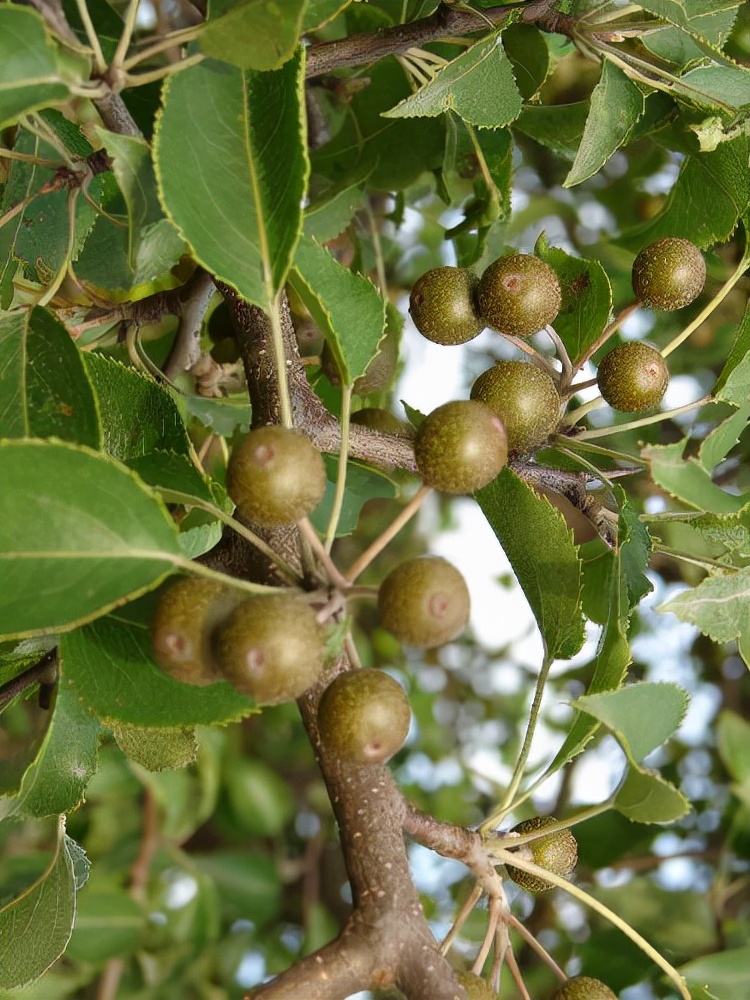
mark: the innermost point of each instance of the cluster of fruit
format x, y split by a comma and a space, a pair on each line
577, 988
460, 448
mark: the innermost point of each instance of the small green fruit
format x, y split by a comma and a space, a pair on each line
669, 274
424, 602
557, 852
442, 305
275, 476
518, 295
525, 399
270, 648
181, 628
584, 988
364, 717
633, 377
476, 987
460, 447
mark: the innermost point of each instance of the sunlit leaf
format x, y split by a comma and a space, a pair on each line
255, 34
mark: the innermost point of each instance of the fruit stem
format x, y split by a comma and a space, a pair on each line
606, 333
703, 562
463, 915
539, 359
572, 418
655, 418
566, 375
332, 571
532, 942
512, 841
620, 456
507, 858
715, 301
338, 496
515, 781
515, 972
374, 550
578, 387
280, 361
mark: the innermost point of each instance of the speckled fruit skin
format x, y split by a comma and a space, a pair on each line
424, 602
633, 377
584, 988
669, 274
460, 447
525, 399
364, 717
181, 627
557, 852
270, 648
442, 305
476, 987
518, 295
275, 476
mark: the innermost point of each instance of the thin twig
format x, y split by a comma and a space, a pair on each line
374, 550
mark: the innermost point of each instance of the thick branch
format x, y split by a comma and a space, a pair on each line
446, 21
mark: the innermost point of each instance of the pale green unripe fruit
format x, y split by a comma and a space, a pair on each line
525, 399
557, 852
669, 274
584, 988
364, 717
442, 305
424, 602
275, 476
633, 377
518, 295
181, 628
270, 648
460, 447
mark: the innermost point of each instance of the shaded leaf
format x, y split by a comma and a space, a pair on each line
645, 797
35, 926
540, 548
719, 606
79, 534
255, 34
362, 484
463, 85
218, 144
733, 741
687, 479
157, 749
44, 387
725, 974
733, 384
720, 441
109, 923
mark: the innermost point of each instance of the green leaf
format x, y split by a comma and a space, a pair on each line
79, 534
707, 200
720, 441
346, 306
219, 142
642, 716
727, 86
733, 384
616, 105
362, 484
57, 778
240, 876
527, 49
698, 17
222, 416
330, 214
390, 152
635, 548
463, 85
726, 973
109, 923
33, 71
730, 530
142, 416
645, 797
540, 548
35, 926
174, 476
110, 668
258, 34
559, 128
719, 606
157, 749
586, 297
687, 479
733, 742
44, 388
